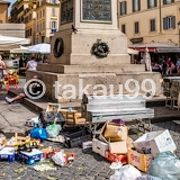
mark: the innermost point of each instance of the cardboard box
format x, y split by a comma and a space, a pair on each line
116, 157
130, 144
155, 143
99, 147
140, 161
118, 147
113, 132
53, 107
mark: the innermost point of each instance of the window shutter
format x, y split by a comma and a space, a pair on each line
133, 8
148, 4
173, 22
120, 8
164, 23
155, 3
125, 4
139, 5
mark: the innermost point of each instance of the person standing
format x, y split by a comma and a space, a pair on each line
2, 69
32, 64
178, 65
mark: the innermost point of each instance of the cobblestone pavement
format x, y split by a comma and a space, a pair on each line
87, 166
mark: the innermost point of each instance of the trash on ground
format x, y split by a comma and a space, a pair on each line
155, 143
140, 161
45, 166
115, 165
127, 172
8, 154
70, 128
59, 158
30, 157
87, 145
53, 130
148, 177
166, 166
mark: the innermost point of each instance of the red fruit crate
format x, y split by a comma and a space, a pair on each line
116, 157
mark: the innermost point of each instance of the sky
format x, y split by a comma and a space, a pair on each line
11, 1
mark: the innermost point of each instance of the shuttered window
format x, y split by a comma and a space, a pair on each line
151, 3
123, 8
123, 28
169, 22
136, 5
152, 25
168, 1
136, 27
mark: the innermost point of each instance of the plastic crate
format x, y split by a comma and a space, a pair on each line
7, 154
30, 157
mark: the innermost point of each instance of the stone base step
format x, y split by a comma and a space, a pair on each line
56, 84
90, 68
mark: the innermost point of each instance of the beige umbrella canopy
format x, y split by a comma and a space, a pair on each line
20, 50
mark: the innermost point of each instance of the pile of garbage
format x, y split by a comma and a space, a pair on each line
30, 151
130, 158
148, 154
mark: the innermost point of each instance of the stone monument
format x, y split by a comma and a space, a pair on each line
89, 47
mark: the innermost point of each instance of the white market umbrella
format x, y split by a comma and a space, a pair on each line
8, 42
40, 48
19, 50
147, 60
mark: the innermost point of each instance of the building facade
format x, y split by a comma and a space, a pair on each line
150, 21
41, 18
4, 11
47, 20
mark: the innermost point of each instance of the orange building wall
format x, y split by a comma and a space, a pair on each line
3, 13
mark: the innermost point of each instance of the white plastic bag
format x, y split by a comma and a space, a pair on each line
127, 172
59, 158
166, 166
148, 177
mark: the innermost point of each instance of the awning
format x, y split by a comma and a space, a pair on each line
156, 47
168, 50
132, 51
143, 49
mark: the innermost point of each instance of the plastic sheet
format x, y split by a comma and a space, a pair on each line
53, 130
166, 166
127, 172
39, 133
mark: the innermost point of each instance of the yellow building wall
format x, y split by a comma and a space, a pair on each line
144, 16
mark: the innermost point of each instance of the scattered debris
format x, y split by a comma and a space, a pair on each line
45, 166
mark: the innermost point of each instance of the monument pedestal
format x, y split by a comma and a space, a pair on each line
78, 47
89, 49
81, 80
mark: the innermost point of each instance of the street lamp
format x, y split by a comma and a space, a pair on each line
179, 32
